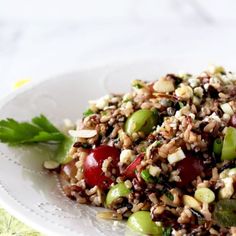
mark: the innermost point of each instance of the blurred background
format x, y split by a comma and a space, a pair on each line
39, 39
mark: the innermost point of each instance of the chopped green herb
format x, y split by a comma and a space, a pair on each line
127, 100
167, 231
40, 130
88, 112
137, 85
146, 176
169, 195
217, 146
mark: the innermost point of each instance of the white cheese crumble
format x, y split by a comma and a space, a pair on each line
227, 109
154, 170
127, 156
176, 156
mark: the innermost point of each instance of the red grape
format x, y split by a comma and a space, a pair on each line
189, 169
93, 173
129, 172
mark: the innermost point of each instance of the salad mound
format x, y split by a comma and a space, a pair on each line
162, 156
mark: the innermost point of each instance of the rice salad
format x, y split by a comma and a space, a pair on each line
162, 156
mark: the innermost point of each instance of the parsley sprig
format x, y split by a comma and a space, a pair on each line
39, 130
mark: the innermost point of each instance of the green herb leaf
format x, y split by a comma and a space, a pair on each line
146, 176
167, 231
88, 112
42, 122
169, 195
40, 130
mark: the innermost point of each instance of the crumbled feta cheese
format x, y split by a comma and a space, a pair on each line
127, 156
228, 190
154, 170
184, 92
176, 156
227, 109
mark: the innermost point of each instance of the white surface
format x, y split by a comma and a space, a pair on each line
41, 38
30, 192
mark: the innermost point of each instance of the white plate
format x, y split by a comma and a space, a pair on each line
28, 191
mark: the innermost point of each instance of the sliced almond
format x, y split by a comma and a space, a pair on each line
164, 85
109, 215
84, 133
51, 165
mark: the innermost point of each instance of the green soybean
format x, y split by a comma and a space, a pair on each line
141, 222
142, 120
117, 191
229, 144
225, 212
204, 195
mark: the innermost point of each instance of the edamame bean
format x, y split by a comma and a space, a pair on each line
117, 191
142, 120
204, 195
224, 213
141, 222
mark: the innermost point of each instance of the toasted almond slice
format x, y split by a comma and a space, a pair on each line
51, 165
109, 215
83, 133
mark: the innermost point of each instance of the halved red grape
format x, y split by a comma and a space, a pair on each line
129, 172
189, 169
93, 173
